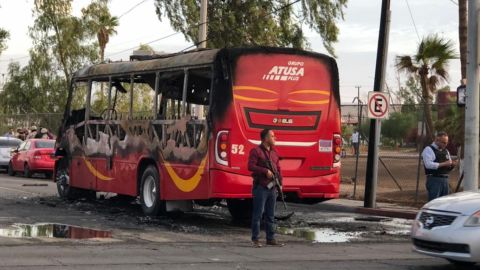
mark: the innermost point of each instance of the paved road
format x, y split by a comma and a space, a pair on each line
206, 239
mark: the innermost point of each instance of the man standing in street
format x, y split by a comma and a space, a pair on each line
438, 164
264, 190
356, 142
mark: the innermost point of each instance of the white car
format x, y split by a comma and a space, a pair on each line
449, 228
6, 146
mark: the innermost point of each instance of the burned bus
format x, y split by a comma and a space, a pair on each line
205, 111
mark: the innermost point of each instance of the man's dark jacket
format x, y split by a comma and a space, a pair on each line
257, 164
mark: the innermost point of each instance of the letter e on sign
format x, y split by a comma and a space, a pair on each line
378, 105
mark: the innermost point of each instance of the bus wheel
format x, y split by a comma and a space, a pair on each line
240, 209
150, 193
67, 192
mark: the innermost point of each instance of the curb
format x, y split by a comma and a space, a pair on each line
384, 212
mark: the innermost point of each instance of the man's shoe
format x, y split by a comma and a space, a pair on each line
256, 244
275, 243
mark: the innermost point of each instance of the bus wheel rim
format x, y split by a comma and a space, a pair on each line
149, 191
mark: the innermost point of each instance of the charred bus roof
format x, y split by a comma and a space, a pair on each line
194, 58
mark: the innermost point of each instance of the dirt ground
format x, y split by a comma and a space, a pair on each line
399, 187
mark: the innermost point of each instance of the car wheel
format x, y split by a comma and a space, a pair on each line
26, 171
461, 263
150, 193
48, 175
240, 209
10, 170
67, 192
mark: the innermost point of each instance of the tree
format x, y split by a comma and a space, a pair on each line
64, 37
255, 22
101, 23
35, 88
430, 64
4, 35
398, 125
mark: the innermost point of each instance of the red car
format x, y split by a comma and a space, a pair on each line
33, 156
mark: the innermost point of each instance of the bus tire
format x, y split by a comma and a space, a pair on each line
67, 192
240, 209
150, 193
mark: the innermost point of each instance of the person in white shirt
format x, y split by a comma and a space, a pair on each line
438, 164
356, 142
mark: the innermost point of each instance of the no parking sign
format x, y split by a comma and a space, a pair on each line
378, 105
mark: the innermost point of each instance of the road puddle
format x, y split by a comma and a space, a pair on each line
52, 230
321, 235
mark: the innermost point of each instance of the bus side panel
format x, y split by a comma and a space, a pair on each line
121, 178
184, 181
80, 176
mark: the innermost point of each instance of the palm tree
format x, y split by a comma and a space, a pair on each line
430, 64
100, 22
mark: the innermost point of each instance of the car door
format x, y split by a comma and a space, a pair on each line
16, 157
23, 155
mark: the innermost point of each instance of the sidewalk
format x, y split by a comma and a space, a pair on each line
383, 209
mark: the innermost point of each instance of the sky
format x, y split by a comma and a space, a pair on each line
356, 49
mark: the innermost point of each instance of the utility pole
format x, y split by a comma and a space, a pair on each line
202, 44
202, 31
472, 101
371, 176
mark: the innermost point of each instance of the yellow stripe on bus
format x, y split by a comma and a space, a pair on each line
255, 99
321, 92
95, 172
186, 185
310, 102
253, 88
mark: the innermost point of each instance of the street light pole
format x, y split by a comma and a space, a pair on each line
371, 175
472, 116
202, 31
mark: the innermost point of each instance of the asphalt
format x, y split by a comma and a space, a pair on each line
204, 239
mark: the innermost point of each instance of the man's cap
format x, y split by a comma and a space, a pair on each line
33, 128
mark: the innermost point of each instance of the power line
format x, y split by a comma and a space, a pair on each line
132, 8
210, 37
150, 42
413, 20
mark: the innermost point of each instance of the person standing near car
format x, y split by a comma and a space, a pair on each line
264, 191
438, 164
32, 133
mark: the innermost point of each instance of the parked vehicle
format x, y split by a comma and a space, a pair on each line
192, 143
449, 227
33, 156
6, 146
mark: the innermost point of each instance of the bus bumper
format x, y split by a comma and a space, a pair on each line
230, 185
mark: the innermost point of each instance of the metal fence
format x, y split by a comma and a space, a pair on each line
401, 177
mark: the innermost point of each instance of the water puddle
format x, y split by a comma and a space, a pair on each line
49, 230
321, 235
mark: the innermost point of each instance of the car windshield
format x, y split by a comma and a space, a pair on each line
45, 144
9, 143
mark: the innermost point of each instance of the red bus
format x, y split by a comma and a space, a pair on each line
205, 111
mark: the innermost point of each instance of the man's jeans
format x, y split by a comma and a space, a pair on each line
436, 187
263, 202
